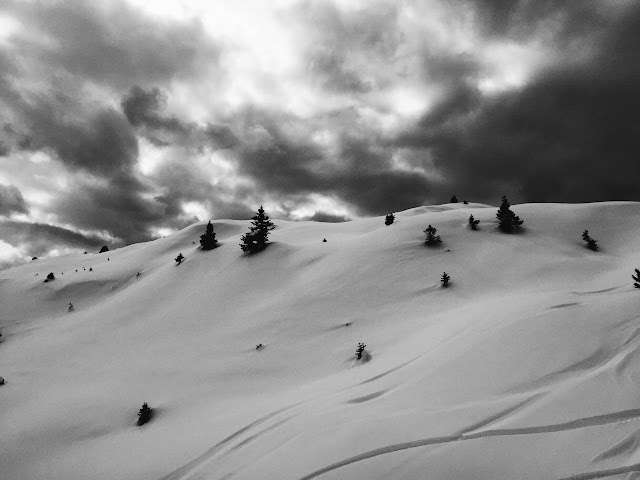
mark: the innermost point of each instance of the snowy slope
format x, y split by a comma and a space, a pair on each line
527, 366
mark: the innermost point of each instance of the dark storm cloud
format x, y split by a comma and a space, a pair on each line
525, 18
117, 206
112, 43
97, 50
342, 44
571, 134
327, 217
103, 145
143, 108
331, 66
184, 182
362, 173
42, 238
11, 200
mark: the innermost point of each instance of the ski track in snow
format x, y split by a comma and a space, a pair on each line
384, 374
188, 470
586, 422
605, 473
191, 468
625, 446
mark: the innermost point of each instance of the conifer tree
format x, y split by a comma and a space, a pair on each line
591, 243
50, 277
104, 249
636, 277
445, 279
208, 239
508, 220
258, 236
179, 258
473, 223
454, 199
389, 219
432, 239
144, 414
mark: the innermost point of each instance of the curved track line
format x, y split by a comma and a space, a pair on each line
604, 473
185, 471
558, 427
500, 415
384, 374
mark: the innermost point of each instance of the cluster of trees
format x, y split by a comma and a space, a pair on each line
257, 238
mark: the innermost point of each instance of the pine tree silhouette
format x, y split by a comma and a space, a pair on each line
636, 277
591, 243
508, 221
454, 199
258, 236
389, 219
473, 223
50, 277
445, 279
208, 239
104, 249
144, 415
432, 239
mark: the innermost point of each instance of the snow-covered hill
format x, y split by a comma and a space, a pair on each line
527, 366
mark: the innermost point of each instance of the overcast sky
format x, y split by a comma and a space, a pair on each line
124, 120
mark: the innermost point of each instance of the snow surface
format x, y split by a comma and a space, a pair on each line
526, 367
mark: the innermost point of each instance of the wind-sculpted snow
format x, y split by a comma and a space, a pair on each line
527, 366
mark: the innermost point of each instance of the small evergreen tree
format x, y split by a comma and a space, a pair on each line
508, 220
432, 239
104, 249
258, 236
359, 350
179, 258
389, 219
591, 243
208, 240
454, 199
445, 279
636, 277
50, 277
144, 414
473, 223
